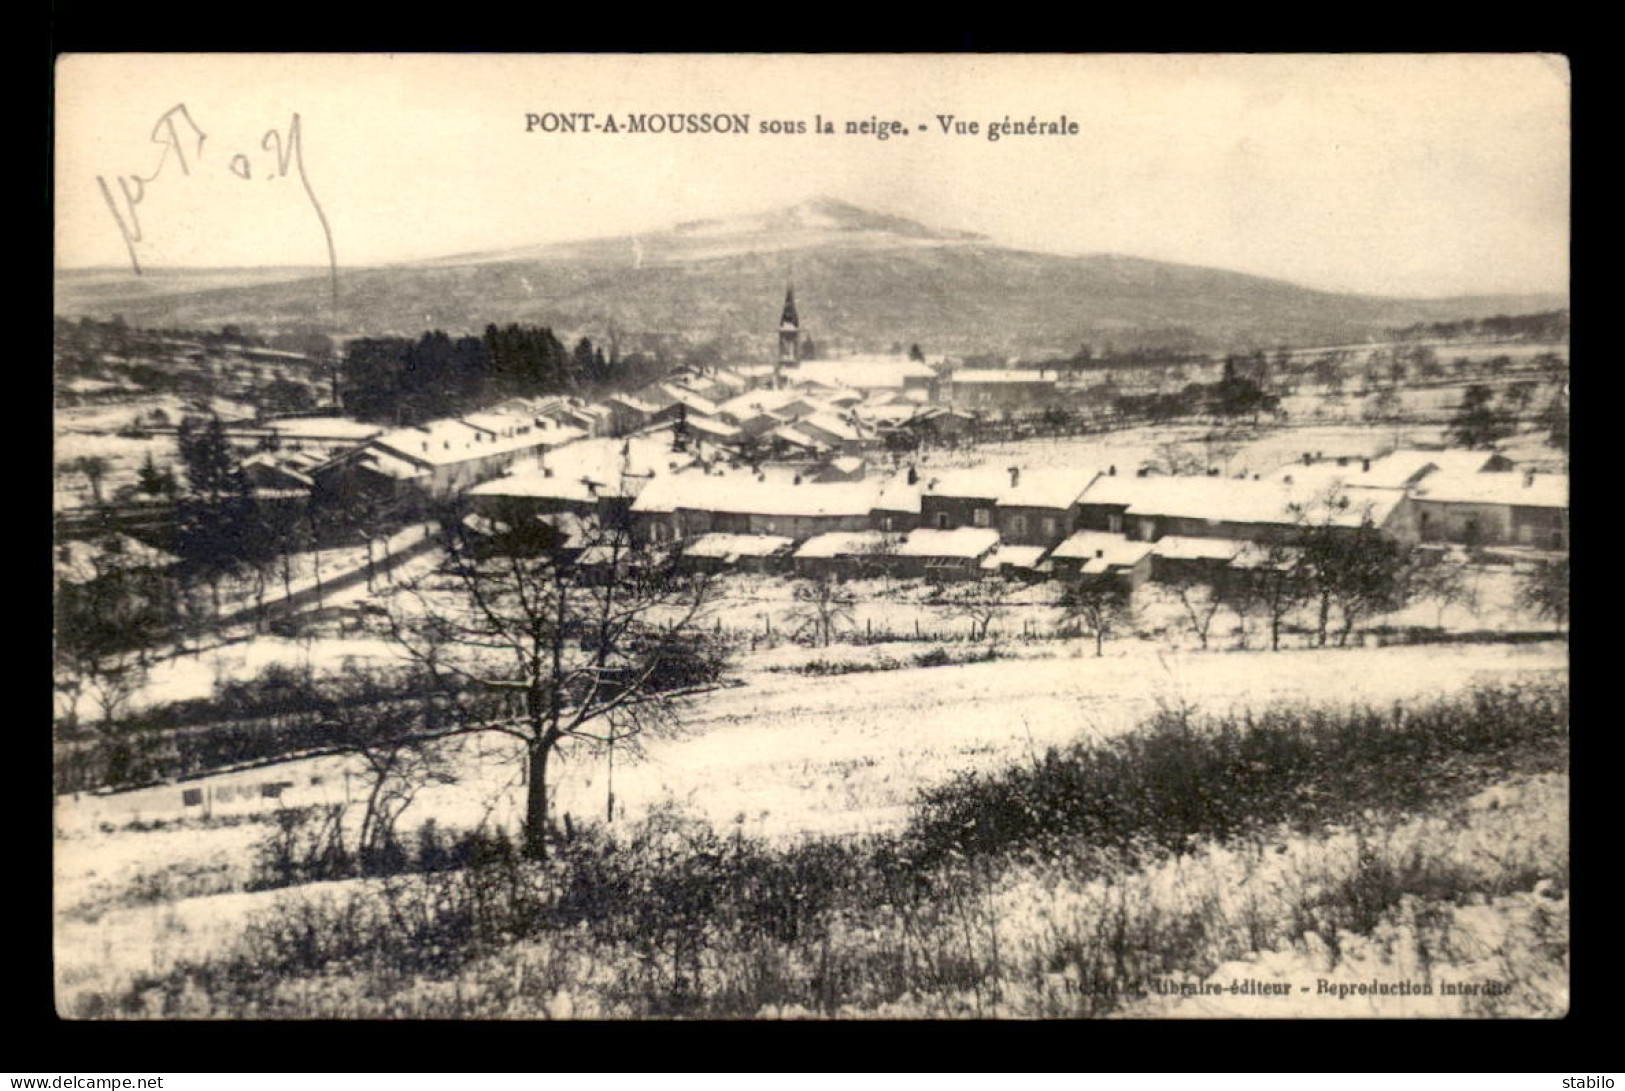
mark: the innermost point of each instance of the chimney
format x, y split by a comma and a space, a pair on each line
1111, 471
1342, 460
1308, 458
547, 471
1365, 465
1528, 478
1100, 554
797, 481
913, 476
1015, 476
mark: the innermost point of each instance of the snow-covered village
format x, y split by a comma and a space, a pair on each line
697, 623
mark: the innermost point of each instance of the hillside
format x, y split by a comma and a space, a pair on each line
864, 281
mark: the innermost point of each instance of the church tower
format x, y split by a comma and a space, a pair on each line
789, 338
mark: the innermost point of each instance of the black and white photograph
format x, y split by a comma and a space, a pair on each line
816, 537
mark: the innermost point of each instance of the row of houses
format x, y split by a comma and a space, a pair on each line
1074, 523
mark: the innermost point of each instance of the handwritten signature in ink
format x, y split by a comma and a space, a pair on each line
183, 141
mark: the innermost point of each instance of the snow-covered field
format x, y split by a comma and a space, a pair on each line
787, 754
783, 756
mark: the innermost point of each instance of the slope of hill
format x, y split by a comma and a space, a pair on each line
864, 281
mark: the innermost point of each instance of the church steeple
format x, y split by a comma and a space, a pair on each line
789, 320
789, 336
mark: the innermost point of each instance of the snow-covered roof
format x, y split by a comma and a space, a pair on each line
864, 372
968, 542
495, 422
388, 464
1047, 488
831, 423
896, 494
1395, 470
1015, 556
1113, 549
1114, 490
711, 426
846, 464
1178, 547
1055, 487
1240, 500
978, 482
323, 428
753, 403
605, 457
693, 402
450, 440
619, 467
853, 543
287, 467
725, 546
640, 405
1516, 489
794, 436
743, 494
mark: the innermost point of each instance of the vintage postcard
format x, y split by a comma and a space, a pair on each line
825, 537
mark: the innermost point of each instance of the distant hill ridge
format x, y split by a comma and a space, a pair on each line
864, 280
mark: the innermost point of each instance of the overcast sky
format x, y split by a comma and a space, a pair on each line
1428, 175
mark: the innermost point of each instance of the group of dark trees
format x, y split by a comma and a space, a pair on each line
1484, 418
402, 380
1236, 394
1544, 326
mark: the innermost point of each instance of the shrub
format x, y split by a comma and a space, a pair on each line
1181, 778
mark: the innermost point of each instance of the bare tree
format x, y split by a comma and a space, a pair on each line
821, 604
980, 602
402, 751
588, 643
1345, 562
1373, 577
1098, 606
1203, 595
1175, 458
1444, 585
1274, 582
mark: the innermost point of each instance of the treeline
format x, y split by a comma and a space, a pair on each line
1544, 326
1179, 348
115, 335
436, 375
